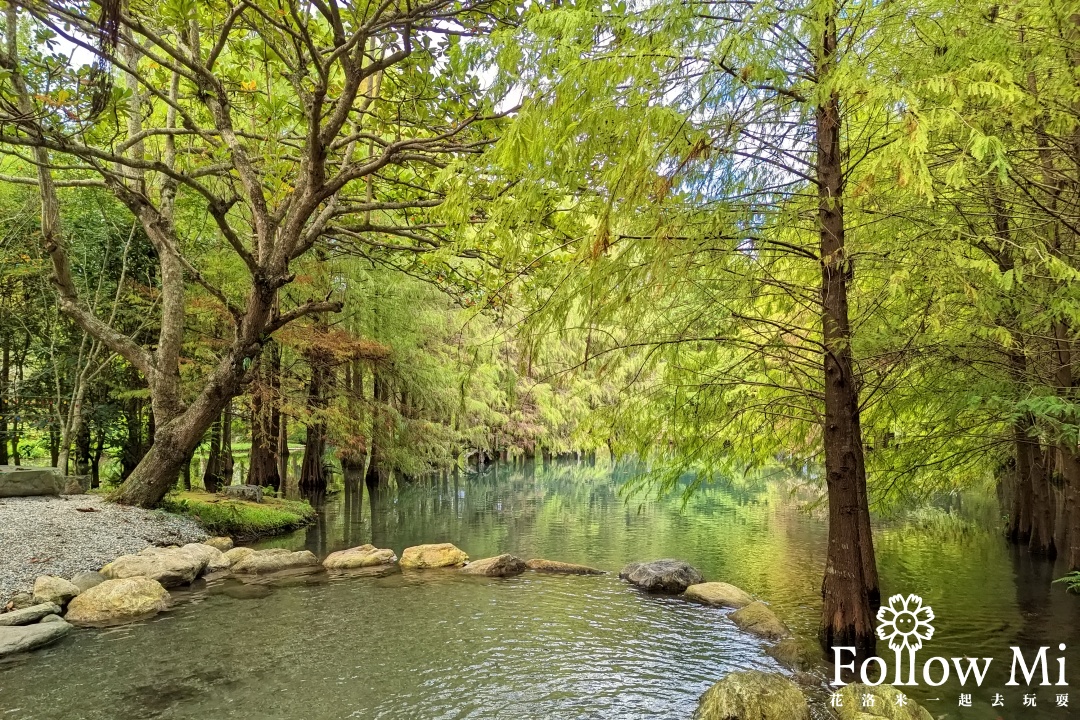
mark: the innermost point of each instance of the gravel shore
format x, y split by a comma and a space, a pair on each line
52, 536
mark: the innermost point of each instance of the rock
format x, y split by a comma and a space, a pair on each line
22, 600
28, 615
52, 589
852, 705
438, 555
253, 493
275, 560
28, 637
753, 695
17, 481
563, 568
169, 566
215, 559
359, 557
115, 602
86, 580
719, 594
237, 554
52, 619
76, 484
758, 619
224, 544
792, 654
504, 565
662, 576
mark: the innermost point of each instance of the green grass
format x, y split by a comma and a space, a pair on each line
241, 519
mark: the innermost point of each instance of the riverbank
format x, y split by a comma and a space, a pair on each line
68, 534
240, 519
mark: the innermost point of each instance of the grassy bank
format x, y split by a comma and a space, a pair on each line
241, 519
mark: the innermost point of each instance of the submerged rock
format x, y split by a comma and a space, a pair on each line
793, 655
168, 566
662, 576
224, 544
437, 555
853, 704
115, 602
29, 637
504, 565
52, 589
28, 615
563, 568
758, 619
359, 557
275, 560
86, 580
753, 695
719, 594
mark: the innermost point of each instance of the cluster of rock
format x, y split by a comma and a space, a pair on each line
128, 589
20, 481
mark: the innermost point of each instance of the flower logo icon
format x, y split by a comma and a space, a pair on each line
905, 623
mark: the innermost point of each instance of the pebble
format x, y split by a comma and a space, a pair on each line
57, 536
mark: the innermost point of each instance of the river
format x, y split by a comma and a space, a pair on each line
439, 645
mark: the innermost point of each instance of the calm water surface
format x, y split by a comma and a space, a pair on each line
440, 645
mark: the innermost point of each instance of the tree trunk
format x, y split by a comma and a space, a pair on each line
228, 462
82, 450
850, 571
212, 474
95, 463
264, 426
313, 479
5, 384
377, 475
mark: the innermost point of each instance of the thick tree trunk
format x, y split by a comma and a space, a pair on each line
5, 384
228, 462
1041, 541
265, 419
99, 450
313, 478
850, 572
82, 450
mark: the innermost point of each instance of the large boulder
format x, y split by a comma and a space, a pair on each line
252, 493
86, 580
115, 602
17, 481
753, 695
215, 559
758, 619
222, 543
169, 566
560, 568
718, 594
438, 555
28, 615
261, 562
76, 484
662, 576
504, 565
237, 554
863, 702
359, 557
55, 590
29, 637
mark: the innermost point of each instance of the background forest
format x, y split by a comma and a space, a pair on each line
709, 236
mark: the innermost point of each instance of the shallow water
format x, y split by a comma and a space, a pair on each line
441, 645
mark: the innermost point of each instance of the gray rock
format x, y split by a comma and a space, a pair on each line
29, 637
76, 484
86, 580
794, 655
29, 615
16, 481
115, 602
505, 565
254, 493
560, 568
22, 600
719, 594
51, 589
753, 695
52, 619
222, 543
169, 566
662, 576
